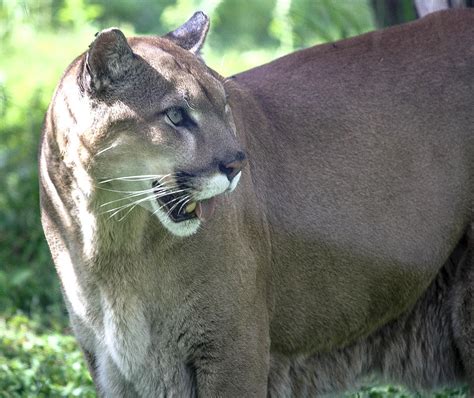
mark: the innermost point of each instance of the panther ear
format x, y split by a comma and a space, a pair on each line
108, 60
191, 34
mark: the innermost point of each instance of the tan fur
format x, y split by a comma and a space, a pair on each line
339, 254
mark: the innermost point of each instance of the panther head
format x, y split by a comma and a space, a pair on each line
153, 126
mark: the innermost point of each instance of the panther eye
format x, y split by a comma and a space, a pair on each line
175, 116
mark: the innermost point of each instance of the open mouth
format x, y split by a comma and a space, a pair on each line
179, 207
176, 205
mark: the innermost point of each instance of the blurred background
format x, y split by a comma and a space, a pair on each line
38, 39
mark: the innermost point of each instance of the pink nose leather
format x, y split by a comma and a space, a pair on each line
233, 168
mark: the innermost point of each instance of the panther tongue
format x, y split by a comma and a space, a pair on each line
205, 208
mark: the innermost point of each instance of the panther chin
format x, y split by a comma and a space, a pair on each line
181, 228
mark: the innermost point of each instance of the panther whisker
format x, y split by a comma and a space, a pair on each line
133, 194
153, 189
116, 210
150, 197
142, 177
105, 149
166, 204
127, 213
176, 204
124, 198
188, 199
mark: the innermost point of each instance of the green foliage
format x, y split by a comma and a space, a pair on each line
34, 364
76, 13
29, 70
328, 20
389, 391
387, 13
143, 15
244, 26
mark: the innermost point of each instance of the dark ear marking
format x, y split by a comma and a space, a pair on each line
108, 60
192, 34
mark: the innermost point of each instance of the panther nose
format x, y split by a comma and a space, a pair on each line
234, 167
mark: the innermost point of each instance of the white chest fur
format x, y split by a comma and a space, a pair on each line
126, 333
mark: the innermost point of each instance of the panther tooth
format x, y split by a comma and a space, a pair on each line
190, 207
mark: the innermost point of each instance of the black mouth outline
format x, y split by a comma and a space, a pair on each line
177, 213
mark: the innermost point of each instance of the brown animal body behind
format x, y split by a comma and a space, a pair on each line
342, 251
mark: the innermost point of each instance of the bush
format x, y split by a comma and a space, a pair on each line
35, 364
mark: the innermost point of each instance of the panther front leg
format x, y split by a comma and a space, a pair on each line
463, 314
110, 382
235, 363
107, 378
